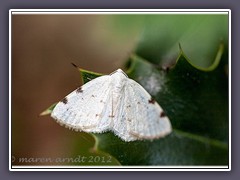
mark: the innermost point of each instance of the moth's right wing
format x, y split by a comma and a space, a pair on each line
148, 120
87, 108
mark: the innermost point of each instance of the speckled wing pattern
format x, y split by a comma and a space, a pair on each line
85, 108
150, 121
116, 103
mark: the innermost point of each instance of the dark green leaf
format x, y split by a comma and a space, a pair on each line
179, 148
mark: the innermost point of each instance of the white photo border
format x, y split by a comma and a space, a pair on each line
117, 11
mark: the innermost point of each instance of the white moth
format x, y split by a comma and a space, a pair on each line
113, 103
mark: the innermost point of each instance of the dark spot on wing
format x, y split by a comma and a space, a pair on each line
93, 96
128, 106
64, 100
97, 115
138, 102
162, 114
152, 101
79, 90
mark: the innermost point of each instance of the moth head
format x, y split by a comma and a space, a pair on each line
119, 79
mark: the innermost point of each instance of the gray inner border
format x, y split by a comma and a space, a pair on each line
62, 4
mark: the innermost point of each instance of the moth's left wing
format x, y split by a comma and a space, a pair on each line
87, 108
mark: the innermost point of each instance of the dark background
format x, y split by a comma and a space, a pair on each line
6, 5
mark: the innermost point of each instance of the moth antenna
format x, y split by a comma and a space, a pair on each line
76, 66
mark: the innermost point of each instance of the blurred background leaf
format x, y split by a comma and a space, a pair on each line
160, 35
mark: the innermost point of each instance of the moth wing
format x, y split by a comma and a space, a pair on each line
149, 121
86, 108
